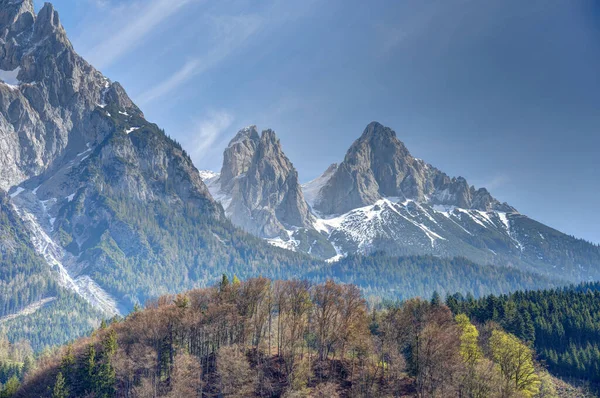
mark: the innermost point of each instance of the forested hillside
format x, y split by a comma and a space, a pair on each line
562, 324
27, 279
263, 338
400, 278
33, 305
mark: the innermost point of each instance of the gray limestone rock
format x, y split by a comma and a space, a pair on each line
378, 165
266, 198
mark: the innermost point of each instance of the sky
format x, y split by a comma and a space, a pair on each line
503, 92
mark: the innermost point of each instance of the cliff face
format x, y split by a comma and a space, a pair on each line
48, 115
265, 197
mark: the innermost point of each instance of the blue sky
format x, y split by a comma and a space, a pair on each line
503, 92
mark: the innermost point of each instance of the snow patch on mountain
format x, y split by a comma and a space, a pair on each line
290, 244
34, 213
312, 188
30, 309
17, 192
363, 225
213, 183
208, 175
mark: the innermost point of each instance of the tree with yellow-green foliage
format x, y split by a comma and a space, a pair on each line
469, 349
515, 360
481, 378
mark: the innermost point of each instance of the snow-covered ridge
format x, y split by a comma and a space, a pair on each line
363, 225
207, 175
213, 183
55, 256
419, 226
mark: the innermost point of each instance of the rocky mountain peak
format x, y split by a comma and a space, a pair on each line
374, 166
48, 22
238, 156
261, 184
55, 109
376, 129
16, 25
247, 133
379, 165
11, 12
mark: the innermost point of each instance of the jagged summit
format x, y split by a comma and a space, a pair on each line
378, 165
250, 132
381, 198
55, 109
238, 156
259, 185
78, 157
375, 128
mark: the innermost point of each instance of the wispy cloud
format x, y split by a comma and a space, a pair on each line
496, 182
133, 33
229, 33
206, 132
188, 70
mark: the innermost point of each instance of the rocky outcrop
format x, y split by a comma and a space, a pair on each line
265, 197
238, 156
378, 165
49, 116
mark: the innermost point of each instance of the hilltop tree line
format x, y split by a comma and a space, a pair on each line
268, 338
562, 324
420, 276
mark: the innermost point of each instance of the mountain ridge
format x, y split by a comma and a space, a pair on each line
382, 198
115, 213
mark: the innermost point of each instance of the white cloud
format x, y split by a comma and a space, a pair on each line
144, 17
206, 132
229, 34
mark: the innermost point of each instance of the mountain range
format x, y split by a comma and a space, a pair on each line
381, 198
100, 210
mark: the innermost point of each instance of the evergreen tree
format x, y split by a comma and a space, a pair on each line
60, 388
10, 388
224, 282
436, 300
88, 370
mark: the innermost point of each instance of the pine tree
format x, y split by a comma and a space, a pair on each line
60, 388
88, 370
106, 376
224, 282
436, 300
10, 388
